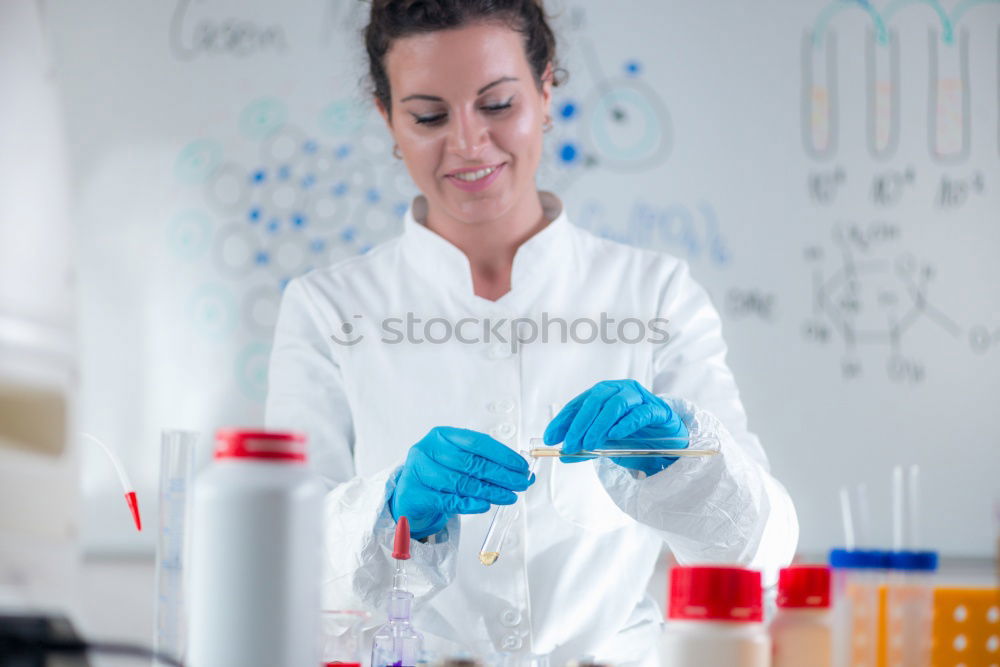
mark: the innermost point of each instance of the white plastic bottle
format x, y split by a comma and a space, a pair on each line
801, 631
256, 550
715, 618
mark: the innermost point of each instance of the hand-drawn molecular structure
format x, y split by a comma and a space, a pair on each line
873, 298
620, 124
300, 202
275, 204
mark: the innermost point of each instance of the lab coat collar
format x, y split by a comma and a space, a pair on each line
444, 263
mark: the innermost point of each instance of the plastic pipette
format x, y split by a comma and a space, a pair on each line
538, 449
848, 517
401, 552
905, 498
130, 498
397, 643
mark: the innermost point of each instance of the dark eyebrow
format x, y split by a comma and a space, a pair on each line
482, 90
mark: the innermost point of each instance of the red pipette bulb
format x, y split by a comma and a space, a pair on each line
401, 545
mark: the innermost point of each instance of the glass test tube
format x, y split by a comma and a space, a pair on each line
177, 450
503, 519
625, 448
504, 515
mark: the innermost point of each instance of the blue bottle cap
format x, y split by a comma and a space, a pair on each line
913, 561
859, 559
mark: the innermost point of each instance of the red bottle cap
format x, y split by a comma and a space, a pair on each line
401, 545
274, 445
707, 593
804, 586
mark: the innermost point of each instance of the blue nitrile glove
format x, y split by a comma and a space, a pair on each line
618, 409
455, 471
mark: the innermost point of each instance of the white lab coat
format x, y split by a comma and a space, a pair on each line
571, 581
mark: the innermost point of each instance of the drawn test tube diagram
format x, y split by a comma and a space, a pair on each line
949, 94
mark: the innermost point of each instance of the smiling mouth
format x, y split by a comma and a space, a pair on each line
473, 176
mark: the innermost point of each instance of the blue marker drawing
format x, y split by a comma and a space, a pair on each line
893, 7
568, 152
197, 161
251, 370
834, 8
188, 234
213, 309
344, 117
262, 117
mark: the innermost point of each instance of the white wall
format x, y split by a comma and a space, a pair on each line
856, 274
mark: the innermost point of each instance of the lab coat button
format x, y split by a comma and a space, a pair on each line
505, 405
503, 431
510, 617
511, 642
499, 351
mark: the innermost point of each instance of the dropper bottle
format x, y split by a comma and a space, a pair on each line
397, 644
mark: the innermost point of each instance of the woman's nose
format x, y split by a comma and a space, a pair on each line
469, 134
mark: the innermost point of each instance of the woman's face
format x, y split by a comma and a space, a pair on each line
466, 98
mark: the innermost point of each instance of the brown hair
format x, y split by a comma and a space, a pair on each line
394, 19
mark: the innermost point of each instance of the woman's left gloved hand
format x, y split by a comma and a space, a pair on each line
611, 411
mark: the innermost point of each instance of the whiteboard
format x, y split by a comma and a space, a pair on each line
830, 170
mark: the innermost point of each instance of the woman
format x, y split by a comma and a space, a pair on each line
415, 391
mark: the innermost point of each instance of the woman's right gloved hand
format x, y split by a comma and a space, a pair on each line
455, 471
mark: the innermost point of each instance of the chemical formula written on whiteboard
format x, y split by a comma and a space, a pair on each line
689, 231
202, 29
